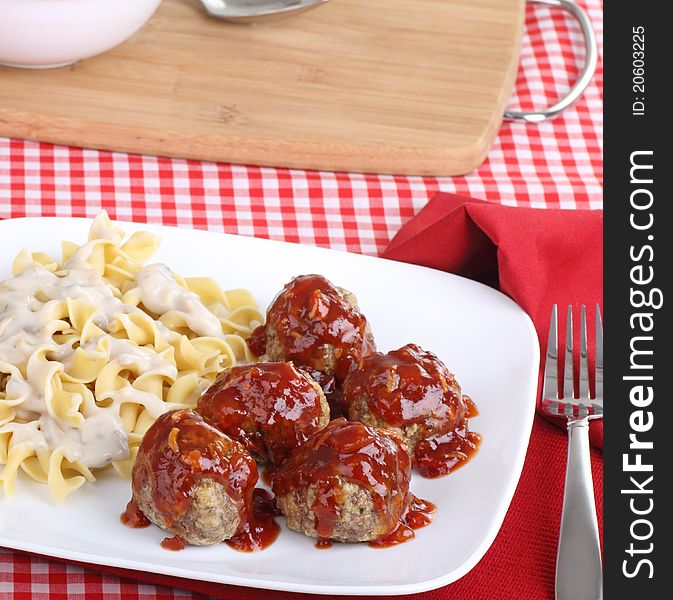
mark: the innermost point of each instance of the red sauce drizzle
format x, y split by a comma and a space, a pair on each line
179, 450
271, 408
410, 386
441, 454
266, 474
471, 409
175, 543
310, 313
323, 544
419, 513
134, 517
356, 453
260, 530
257, 341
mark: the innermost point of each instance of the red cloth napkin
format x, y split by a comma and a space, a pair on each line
538, 257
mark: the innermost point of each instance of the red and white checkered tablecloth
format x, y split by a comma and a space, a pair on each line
554, 164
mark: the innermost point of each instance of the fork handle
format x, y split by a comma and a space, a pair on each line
579, 573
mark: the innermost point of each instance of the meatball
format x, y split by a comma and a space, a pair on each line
348, 483
212, 518
409, 391
271, 408
192, 480
317, 326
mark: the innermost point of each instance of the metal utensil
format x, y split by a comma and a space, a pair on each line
585, 76
254, 10
579, 573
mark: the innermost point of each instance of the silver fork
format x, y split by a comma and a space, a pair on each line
579, 574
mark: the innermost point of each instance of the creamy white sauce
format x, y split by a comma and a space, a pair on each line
101, 439
32, 311
154, 406
161, 294
31, 302
127, 354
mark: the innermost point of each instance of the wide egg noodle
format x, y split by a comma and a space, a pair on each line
86, 367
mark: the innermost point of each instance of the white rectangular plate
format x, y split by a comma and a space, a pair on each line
482, 336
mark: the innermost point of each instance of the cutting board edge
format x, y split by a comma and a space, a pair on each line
296, 154
356, 158
400, 161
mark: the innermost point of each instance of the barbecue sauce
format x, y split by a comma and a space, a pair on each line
412, 387
181, 449
271, 408
441, 454
133, 517
257, 341
309, 314
174, 544
261, 530
362, 455
418, 514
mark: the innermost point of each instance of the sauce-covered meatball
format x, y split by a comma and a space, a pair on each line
317, 326
195, 482
271, 408
350, 483
411, 392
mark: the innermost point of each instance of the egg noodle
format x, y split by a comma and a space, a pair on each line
95, 347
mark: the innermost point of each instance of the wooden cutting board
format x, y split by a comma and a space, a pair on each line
384, 86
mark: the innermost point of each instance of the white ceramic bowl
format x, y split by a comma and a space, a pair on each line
40, 34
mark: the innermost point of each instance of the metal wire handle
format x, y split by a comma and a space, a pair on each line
576, 91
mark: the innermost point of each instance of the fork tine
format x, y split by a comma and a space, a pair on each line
599, 354
584, 358
550, 385
568, 388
